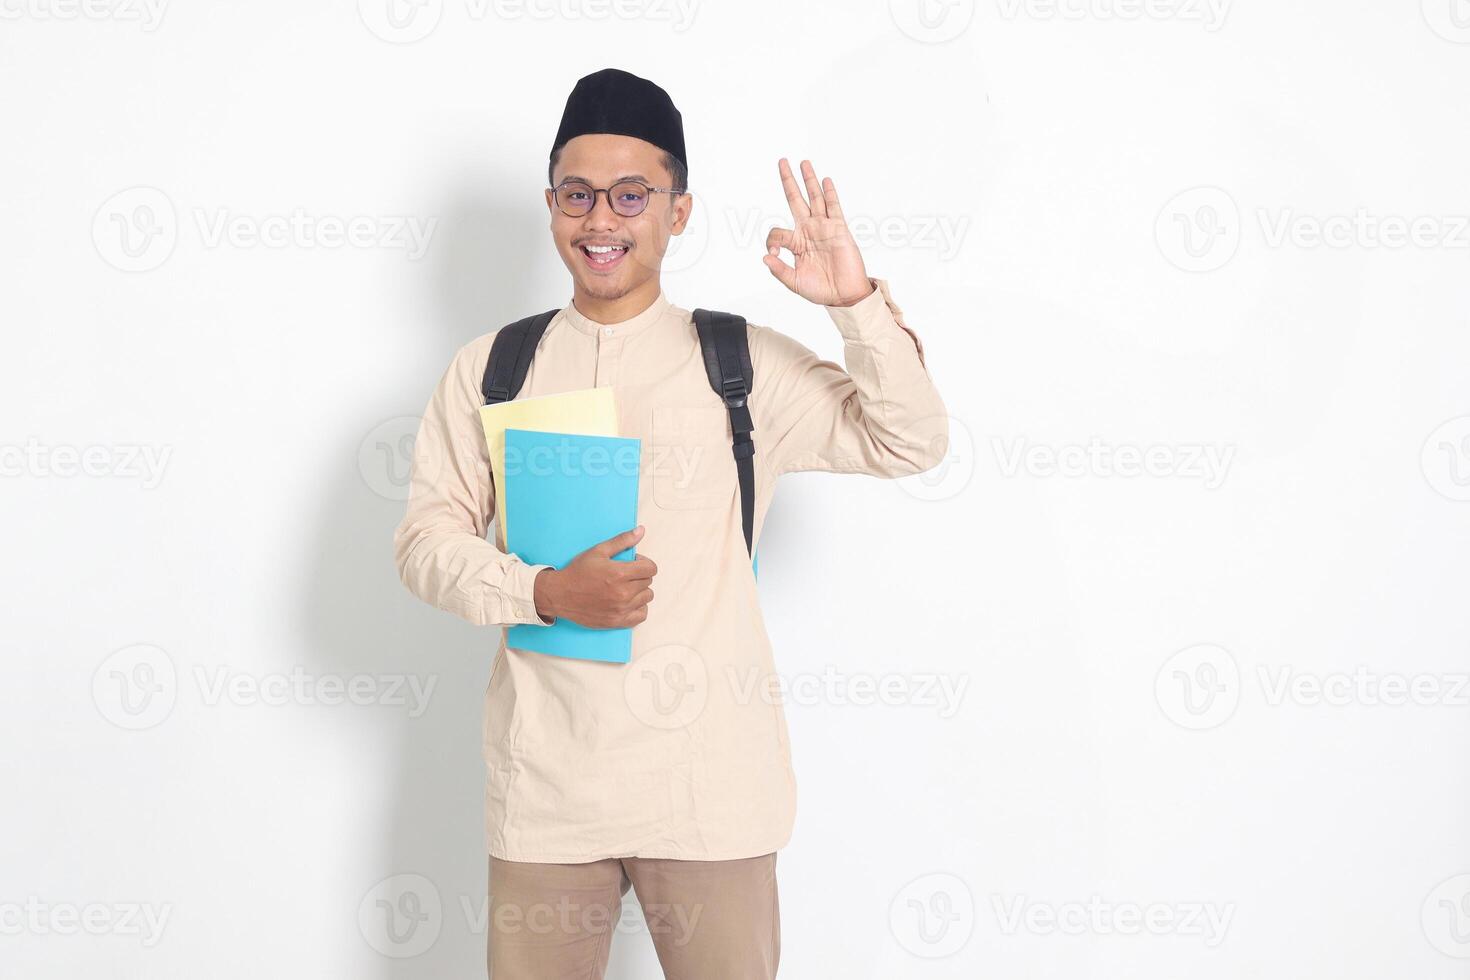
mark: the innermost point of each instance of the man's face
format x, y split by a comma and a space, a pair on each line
602, 160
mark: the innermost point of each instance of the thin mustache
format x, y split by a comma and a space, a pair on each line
579, 242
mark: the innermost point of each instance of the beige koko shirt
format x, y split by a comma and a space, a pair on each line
682, 752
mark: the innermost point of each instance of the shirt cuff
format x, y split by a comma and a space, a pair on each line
867, 320
518, 595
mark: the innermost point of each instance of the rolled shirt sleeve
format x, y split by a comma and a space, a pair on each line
882, 415
440, 547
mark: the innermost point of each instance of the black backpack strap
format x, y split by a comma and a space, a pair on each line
510, 357
726, 348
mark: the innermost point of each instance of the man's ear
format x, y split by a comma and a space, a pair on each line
550, 200
683, 207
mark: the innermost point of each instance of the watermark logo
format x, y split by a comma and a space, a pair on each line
1450, 19
1207, 463
1445, 917
1208, 13
941, 693
933, 916
136, 687
1362, 687
951, 475
1445, 459
122, 461
667, 687
932, 21
388, 455
143, 920
1199, 229
136, 230
1198, 687
1363, 229
401, 916
401, 21
1097, 916
942, 234
147, 14
686, 249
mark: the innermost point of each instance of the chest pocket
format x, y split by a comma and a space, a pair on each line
690, 457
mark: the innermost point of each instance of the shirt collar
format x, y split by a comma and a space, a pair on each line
625, 328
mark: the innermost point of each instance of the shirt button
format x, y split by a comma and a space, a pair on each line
607, 331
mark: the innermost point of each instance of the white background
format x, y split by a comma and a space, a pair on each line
1100, 219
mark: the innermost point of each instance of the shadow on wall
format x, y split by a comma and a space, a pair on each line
361, 620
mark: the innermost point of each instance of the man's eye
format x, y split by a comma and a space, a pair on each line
632, 197
577, 195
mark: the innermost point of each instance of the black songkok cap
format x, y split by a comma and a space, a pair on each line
613, 101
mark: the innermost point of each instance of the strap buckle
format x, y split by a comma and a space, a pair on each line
734, 393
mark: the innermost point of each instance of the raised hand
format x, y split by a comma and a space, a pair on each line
828, 266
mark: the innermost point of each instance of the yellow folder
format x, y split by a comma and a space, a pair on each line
590, 412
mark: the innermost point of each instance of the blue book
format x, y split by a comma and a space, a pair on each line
564, 494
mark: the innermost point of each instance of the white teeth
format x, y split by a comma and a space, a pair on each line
603, 249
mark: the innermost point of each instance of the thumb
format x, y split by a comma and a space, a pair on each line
621, 542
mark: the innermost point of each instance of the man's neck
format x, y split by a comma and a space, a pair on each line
621, 308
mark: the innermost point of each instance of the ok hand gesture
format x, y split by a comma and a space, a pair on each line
828, 266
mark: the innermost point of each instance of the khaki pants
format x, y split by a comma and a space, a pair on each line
710, 920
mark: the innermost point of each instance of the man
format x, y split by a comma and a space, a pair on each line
672, 772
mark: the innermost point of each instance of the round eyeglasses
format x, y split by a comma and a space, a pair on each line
575, 198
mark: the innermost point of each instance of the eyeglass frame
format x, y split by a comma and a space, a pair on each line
607, 192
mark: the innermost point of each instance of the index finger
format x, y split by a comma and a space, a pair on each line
798, 203
641, 567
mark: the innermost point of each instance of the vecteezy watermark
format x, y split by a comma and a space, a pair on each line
1198, 687
222, 685
574, 458
933, 916
404, 915
953, 443
1198, 230
940, 693
667, 687
1097, 916
396, 449
136, 230
1361, 687
1208, 13
407, 21
137, 687
144, 920
932, 21
147, 14
1450, 19
401, 916
1363, 229
1201, 686
1445, 459
1445, 917
121, 461
942, 234
1208, 463
674, 922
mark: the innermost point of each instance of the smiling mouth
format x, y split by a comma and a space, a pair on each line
603, 256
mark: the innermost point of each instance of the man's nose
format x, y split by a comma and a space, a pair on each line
602, 217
